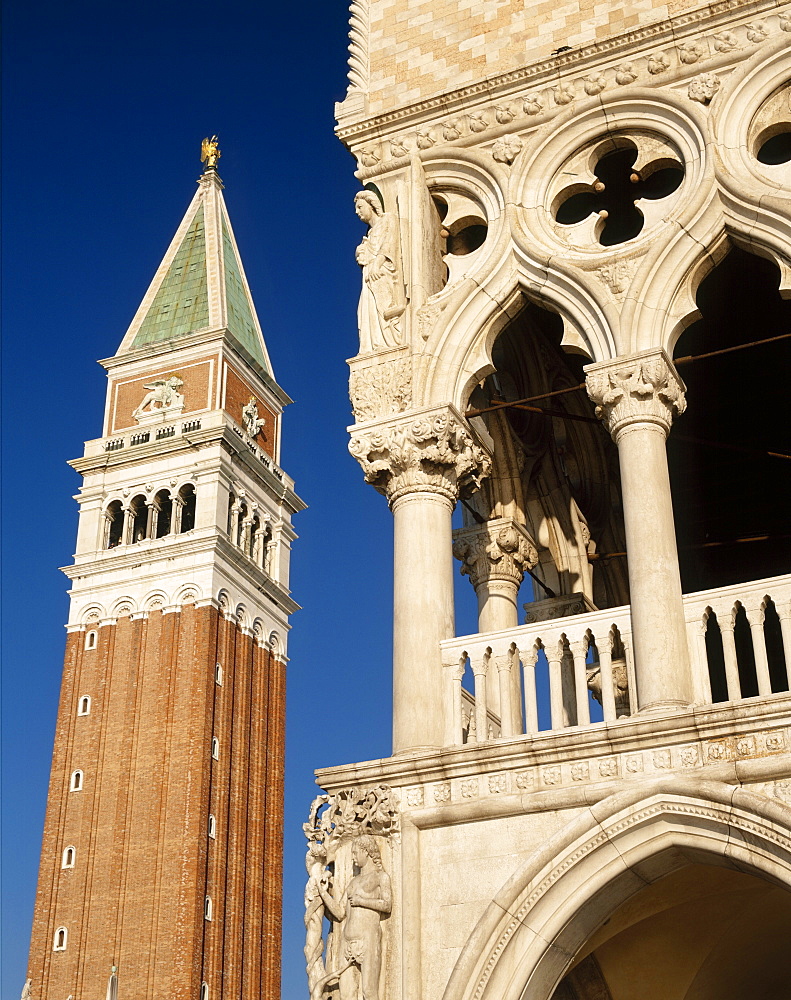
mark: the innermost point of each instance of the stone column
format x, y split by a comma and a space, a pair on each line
637, 398
421, 462
495, 556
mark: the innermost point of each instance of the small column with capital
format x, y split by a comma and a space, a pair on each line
422, 462
495, 555
637, 398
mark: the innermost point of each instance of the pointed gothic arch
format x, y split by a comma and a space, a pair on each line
529, 935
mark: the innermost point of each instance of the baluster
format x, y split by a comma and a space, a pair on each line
605, 672
700, 661
726, 623
555, 659
529, 661
454, 722
579, 651
755, 617
504, 667
481, 712
631, 676
784, 614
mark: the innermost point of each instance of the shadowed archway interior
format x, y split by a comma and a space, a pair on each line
704, 931
724, 453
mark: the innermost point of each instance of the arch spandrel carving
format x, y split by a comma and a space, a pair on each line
613, 299
529, 934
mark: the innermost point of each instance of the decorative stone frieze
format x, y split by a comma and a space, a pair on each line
500, 549
644, 388
432, 451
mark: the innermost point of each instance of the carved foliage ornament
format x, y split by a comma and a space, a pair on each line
703, 87
507, 149
644, 388
433, 453
381, 390
349, 813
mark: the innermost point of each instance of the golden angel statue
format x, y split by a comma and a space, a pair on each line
210, 152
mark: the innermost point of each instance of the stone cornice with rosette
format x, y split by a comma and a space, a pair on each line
500, 549
431, 451
643, 388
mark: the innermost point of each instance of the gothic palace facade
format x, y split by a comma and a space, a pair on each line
573, 319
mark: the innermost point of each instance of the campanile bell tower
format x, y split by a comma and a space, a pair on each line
161, 862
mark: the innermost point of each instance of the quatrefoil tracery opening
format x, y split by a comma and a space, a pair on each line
614, 193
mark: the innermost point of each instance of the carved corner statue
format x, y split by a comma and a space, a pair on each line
210, 152
163, 391
252, 422
367, 899
350, 959
27, 990
382, 301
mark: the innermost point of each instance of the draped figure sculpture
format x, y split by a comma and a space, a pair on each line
382, 300
366, 901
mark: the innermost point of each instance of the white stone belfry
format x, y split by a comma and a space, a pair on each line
567, 212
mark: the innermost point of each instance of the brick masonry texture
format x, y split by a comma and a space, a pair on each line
421, 48
128, 395
237, 393
144, 862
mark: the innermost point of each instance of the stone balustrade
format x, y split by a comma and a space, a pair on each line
739, 640
153, 434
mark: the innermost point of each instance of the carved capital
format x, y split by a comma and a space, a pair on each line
432, 451
643, 388
500, 549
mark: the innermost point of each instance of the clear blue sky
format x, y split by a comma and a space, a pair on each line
104, 108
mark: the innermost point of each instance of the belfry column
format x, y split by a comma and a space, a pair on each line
495, 555
421, 462
636, 398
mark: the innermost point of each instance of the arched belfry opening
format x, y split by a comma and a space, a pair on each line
555, 467
705, 930
729, 455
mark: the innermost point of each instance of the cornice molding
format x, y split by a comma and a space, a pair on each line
216, 549
550, 70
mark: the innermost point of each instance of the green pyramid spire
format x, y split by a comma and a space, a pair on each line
181, 304
200, 284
